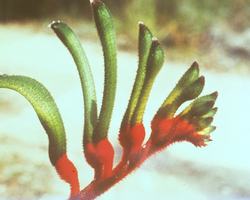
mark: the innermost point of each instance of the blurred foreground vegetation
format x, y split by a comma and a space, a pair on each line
183, 22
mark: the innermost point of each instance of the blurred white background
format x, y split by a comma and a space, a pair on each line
220, 171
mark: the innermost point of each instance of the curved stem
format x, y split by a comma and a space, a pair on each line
46, 110
154, 64
70, 40
105, 28
50, 118
144, 44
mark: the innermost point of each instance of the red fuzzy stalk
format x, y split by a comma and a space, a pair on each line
164, 133
100, 156
67, 171
96, 187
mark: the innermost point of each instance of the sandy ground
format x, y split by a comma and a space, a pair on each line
221, 171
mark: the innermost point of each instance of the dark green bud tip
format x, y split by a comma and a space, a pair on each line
62, 30
54, 24
214, 95
193, 90
201, 108
58, 26
95, 3
190, 76
155, 42
142, 26
156, 59
194, 66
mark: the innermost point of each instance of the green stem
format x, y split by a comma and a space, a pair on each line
175, 98
154, 64
145, 41
46, 110
105, 28
70, 40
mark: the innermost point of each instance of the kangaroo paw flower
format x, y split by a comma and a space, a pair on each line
192, 124
169, 131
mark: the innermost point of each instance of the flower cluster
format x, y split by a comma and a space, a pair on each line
193, 124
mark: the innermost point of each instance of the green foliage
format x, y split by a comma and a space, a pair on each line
188, 87
45, 107
106, 31
154, 64
144, 45
70, 40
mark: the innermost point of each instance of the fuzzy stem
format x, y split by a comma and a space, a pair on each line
50, 118
154, 64
105, 28
96, 188
174, 100
144, 44
70, 40
46, 110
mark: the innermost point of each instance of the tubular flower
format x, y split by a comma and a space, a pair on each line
192, 124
